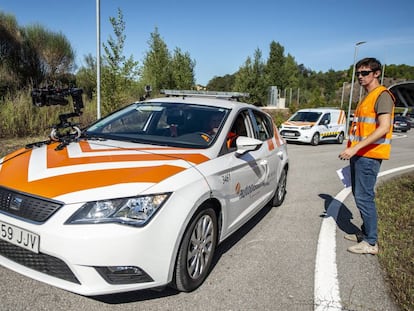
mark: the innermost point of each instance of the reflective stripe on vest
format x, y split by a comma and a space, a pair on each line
378, 142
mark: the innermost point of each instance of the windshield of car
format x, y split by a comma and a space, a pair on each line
305, 116
167, 124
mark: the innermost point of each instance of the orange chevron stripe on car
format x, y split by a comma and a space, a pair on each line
341, 118
298, 123
62, 158
40, 169
270, 144
278, 138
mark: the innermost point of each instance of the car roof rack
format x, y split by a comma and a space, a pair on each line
189, 93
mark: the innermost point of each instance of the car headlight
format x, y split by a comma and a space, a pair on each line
134, 211
307, 127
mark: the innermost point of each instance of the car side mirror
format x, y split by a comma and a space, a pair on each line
246, 144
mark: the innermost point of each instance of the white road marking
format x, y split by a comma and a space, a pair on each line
326, 292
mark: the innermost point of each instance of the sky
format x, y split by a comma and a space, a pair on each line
220, 35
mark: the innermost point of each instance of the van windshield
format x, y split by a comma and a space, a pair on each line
306, 116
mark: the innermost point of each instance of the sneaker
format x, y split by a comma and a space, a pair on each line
364, 248
356, 237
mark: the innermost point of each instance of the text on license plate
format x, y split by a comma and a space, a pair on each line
289, 134
19, 237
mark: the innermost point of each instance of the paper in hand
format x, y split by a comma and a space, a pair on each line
344, 175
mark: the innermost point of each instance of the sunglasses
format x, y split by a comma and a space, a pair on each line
363, 73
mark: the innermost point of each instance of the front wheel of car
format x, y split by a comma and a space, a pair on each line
280, 190
340, 138
315, 139
196, 251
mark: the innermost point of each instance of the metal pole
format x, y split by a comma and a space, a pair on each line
382, 74
343, 91
98, 59
352, 85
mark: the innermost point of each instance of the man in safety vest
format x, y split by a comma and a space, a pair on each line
369, 143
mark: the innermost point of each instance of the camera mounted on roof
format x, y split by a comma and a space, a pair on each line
50, 96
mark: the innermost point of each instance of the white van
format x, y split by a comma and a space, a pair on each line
315, 125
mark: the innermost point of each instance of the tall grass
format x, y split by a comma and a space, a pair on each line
20, 118
395, 204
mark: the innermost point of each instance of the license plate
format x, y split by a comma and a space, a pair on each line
19, 237
289, 134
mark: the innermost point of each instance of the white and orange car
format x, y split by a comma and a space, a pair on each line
142, 198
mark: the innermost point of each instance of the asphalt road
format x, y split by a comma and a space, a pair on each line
267, 265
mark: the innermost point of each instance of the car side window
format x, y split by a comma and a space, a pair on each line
326, 119
239, 128
264, 127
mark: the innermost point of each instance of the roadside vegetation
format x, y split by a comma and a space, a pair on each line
35, 57
395, 204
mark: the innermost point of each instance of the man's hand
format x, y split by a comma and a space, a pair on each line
347, 153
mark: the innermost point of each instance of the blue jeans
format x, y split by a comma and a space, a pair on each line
364, 172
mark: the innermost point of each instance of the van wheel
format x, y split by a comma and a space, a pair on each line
340, 138
315, 139
196, 251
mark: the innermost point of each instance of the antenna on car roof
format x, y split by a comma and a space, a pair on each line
215, 94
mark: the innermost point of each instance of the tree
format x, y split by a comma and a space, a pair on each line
224, 84
291, 70
156, 70
182, 68
10, 45
251, 79
32, 55
118, 72
54, 51
86, 76
275, 66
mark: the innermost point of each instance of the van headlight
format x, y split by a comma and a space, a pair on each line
306, 127
134, 211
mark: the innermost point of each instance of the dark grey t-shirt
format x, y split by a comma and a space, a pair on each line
384, 103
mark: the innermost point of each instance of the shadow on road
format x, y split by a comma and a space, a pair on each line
142, 295
339, 211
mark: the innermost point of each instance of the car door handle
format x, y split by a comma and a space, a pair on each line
280, 155
263, 162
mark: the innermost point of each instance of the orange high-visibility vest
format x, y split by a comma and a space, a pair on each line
365, 122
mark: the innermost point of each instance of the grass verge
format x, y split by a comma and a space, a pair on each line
395, 205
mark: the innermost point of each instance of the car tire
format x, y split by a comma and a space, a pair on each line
340, 138
280, 193
196, 251
315, 139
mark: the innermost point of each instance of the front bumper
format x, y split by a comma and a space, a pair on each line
95, 259
296, 135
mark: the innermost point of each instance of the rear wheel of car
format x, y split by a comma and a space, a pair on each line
280, 190
315, 139
196, 250
340, 138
